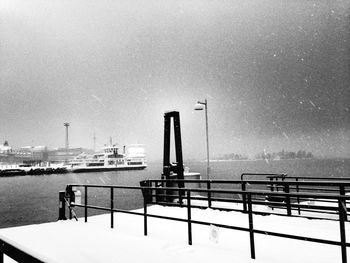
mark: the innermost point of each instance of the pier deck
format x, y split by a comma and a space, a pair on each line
95, 241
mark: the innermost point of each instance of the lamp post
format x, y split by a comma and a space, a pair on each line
199, 106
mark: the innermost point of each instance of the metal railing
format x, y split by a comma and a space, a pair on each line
15, 253
340, 187
274, 201
185, 198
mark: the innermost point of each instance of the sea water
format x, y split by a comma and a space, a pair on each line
34, 199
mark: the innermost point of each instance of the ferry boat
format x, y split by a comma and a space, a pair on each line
132, 158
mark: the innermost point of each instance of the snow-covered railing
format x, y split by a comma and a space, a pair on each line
341, 185
297, 203
185, 198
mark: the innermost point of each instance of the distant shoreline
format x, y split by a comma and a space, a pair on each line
254, 160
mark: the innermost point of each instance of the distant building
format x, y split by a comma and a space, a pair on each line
5, 148
37, 154
63, 154
32, 154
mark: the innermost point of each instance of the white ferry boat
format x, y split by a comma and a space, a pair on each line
132, 158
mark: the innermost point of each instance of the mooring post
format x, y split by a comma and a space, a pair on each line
62, 206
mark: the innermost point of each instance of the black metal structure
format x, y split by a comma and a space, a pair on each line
168, 167
151, 195
274, 200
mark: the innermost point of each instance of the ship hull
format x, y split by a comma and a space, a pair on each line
31, 170
106, 169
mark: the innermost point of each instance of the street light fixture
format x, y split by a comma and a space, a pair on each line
199, 106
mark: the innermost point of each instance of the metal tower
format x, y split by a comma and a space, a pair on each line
66, 124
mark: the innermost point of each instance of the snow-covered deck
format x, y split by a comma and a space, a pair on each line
95, 241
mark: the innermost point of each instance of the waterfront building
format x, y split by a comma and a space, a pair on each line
37, 154
59, 155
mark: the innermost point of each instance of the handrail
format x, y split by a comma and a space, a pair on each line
263, 174
15, 253
185, 200
258, 192
273, 186
262, 182
312, 178
258, 182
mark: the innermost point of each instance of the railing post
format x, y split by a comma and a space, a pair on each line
271, 185
189, 217
144, 215
342, 192
283, 178
180, 196
298, 198
251, 227
1, 252
244, 198
209, 194
342, 212
71, 198
62, 206
85, 203
288, 207
112, 207
147, 193
181, 193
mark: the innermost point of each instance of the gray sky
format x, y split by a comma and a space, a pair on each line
276, 73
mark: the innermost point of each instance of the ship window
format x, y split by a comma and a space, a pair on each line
135, 163
94, 164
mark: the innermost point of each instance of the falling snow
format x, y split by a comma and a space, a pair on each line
121, 74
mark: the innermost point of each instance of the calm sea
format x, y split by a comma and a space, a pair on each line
34, 199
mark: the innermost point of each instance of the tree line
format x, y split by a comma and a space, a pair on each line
301, 154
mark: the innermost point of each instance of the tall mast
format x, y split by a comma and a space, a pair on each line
66, 124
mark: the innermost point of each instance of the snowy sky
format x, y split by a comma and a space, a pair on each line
276, 73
